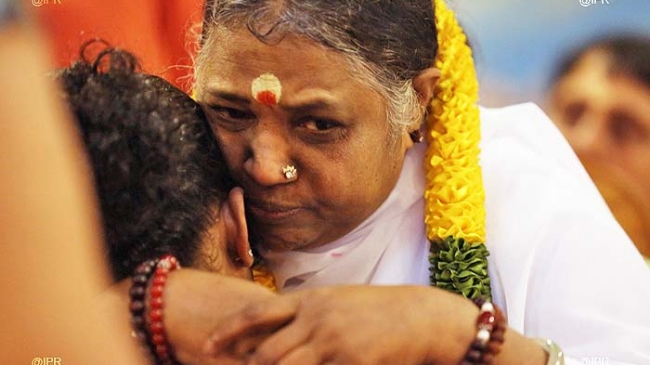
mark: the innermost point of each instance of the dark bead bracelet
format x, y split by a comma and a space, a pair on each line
138, 292
491, 326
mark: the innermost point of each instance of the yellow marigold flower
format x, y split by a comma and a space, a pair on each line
454, 185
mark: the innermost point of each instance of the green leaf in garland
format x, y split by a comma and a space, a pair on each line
460, 267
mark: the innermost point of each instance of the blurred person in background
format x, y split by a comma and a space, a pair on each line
600, 99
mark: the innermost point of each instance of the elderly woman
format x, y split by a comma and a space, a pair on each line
352, 127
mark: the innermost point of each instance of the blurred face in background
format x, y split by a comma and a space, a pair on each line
605, 116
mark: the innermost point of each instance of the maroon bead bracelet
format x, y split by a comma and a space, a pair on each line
147, 307
491, 326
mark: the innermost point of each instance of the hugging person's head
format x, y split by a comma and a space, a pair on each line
160, 177
350, 81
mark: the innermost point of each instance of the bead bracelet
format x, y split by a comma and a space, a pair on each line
147, 307
491, 327
159, 345
137, 294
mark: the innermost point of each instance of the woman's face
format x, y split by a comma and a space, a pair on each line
605, 116
333, 130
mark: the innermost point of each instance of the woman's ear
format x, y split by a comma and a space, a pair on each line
425, 84
234, 216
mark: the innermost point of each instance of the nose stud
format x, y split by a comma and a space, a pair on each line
290, 172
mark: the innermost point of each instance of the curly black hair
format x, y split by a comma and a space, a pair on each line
158, 170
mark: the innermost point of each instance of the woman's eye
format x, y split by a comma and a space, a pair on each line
320, 125
231, 113
626, 129
573, 113
230, 118
319, 131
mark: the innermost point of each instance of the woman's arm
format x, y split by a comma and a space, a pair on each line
367, 325
196, 302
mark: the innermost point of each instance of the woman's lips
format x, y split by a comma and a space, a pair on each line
271, 212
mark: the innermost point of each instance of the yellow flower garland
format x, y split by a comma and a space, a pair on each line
454, 196
454, 186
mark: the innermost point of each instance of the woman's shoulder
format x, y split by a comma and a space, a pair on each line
520, 145
554, 245
526, 129
539, 199
538, 194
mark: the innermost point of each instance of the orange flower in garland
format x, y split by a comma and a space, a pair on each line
454, 195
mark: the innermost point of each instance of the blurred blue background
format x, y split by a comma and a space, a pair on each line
517, 43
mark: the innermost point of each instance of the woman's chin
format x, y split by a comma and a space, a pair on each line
278, 239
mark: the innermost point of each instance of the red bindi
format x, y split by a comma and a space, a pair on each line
266, 97
267, 89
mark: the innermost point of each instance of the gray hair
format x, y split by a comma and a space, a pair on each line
385, 42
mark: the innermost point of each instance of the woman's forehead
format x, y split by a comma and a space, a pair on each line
234, 60
241, 48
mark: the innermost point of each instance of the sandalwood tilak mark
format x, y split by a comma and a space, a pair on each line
267, 89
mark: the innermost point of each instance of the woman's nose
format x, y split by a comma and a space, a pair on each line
269, 155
